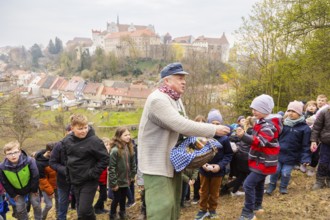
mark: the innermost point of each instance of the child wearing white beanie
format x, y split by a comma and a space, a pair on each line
263, 155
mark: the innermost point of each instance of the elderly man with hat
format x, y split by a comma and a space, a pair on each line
163, 119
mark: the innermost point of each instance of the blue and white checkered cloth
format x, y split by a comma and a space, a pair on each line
181, 158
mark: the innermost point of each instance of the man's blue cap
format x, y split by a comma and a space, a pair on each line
172, 69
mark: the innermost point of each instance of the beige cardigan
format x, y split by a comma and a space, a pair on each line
160, 126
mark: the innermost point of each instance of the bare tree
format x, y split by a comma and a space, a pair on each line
16, 119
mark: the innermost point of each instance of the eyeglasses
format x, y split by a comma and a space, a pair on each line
13, 154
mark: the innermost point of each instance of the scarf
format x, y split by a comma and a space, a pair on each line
170, 92
291, 123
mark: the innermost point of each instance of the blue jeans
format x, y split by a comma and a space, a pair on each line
254, 192
323, 169
285, 171
130, 194
63, 201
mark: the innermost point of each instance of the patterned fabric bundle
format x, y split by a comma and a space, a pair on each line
184, 153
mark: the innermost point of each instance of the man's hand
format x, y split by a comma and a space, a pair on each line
222, 130
115, 188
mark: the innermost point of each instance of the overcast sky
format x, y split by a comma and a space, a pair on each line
25, 22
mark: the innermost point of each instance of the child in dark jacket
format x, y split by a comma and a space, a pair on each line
263, 155
189, 177
47, 178
321, 135
57, 163
19, 176
294, 147
211, 173
86, 157
122, 170
241, 161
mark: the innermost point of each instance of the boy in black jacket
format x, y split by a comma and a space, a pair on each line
86, 157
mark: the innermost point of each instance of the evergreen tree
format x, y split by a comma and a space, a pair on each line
58, 45
36, 53
51, 47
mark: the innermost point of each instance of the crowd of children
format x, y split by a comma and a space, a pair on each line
259, 145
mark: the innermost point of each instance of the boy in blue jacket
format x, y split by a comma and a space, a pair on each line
20, 177
211, 173
294, 147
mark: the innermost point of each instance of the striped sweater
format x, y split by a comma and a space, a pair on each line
265, 148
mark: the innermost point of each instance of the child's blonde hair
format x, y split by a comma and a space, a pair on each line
106, 140
249, 122
11, 145
322, 96
311, 102
78, 119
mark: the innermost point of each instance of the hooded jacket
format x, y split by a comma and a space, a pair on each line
321, 128
265, 148
85, 158
57, 163
47, 176
20, 179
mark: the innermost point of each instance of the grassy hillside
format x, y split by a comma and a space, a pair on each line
99, 119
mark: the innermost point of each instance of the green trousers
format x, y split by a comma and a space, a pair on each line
163, 196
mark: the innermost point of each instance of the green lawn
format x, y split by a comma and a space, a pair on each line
99, 119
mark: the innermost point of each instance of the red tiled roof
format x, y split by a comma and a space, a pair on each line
60, 81
139, 93
218, 41
91, 88
114, 91
184, 39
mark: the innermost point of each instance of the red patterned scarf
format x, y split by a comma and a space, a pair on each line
167, 90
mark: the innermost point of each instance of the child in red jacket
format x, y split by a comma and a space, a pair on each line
263, 155
99, 205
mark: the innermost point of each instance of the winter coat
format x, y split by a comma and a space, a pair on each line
242, 155
264, 151
57, 163
20, 179
47, 176
222, 157
85, 158
295, 145
122, 169
321, 128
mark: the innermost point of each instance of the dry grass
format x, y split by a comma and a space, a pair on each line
301, 203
